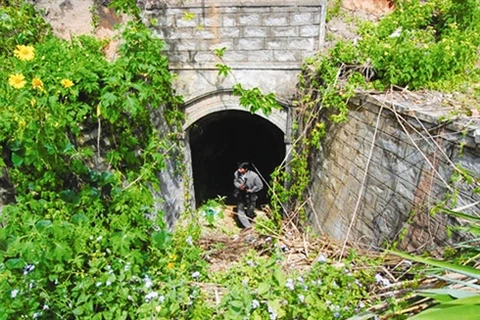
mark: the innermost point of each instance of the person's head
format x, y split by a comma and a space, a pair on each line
243, 167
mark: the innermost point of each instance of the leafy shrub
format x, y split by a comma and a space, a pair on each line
83, 238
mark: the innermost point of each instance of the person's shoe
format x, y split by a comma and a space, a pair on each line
247, 229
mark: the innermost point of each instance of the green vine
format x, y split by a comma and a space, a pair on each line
430, 44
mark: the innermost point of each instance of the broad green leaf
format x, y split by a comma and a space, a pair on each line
263, 288
161, 238
79, 218
438, 297
43, 224
465, 270
464, 309
453, 293
17, 160
275, 305
236, 306
108, 98
279, 277
15, 263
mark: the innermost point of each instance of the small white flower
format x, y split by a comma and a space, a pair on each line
255, 304
322, 258
290, 284
268, 239
196, 274
148, 282
161, 299
98, 284
14, 293
245, 282
99, 238
46, 307
36, 315
336, 315
129, 297
300, 279
127, 266
301, 297
110, 270
99, 293
273, 314
189, 240
28, 268
383, 281
108, 283
250, 263
151, 295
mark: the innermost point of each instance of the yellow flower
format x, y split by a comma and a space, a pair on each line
172, 257
170, 265
37, 83
182, 266
67, 83
17, 80
24, 52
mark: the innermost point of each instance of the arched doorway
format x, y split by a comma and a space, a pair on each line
220, 134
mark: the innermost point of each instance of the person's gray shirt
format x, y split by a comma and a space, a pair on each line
253, 181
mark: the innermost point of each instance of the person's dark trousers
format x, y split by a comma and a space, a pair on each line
251, 202
241, 214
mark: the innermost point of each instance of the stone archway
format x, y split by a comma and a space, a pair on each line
219, 133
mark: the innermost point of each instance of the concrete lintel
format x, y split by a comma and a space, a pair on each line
204, 105
193, 83
236, 66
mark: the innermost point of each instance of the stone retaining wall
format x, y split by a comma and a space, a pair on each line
409, 171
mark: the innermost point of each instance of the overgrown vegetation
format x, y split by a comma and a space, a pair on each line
84, 238
421, 45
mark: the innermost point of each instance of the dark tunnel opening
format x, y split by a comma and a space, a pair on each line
220, 141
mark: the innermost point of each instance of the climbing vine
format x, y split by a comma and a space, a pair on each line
420, 45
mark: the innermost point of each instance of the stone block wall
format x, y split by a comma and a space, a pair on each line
265, 41
409, 170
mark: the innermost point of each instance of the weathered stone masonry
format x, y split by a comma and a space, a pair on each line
408, 173
266, 42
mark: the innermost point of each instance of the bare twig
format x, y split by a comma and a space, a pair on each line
360, 193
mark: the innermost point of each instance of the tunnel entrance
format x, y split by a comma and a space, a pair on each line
219, 141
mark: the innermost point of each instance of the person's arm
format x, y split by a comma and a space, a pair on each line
257, 184
237, 182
